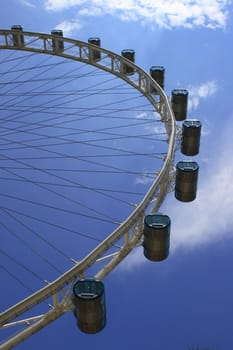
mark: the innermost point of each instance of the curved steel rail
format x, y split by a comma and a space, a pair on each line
131, 228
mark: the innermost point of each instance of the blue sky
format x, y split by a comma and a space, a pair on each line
186, 300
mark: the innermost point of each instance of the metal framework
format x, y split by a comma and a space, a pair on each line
131, 228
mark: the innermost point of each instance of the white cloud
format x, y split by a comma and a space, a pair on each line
141, 115
61, 4
163, 13
69, 27
196, 93
133, 260
208, 219
144, 179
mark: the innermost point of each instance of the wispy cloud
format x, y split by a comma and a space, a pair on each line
141, 115
199, 92
145, 179
163, 13
27, 3
69, 27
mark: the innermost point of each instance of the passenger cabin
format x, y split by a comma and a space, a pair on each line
157, 73
17, 38
89, 305
57, 44
94, 55
156, 236
186, 181
179, 103
191, 133
130, 55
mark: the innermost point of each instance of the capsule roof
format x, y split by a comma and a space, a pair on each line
94, 38
187, 166
180, 92
88, 289
127, 51
57, 32
192, 123
157, 220
16, 27
160, 68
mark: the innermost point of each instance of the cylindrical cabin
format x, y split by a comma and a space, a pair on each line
180, 103
156, 236
157, 73
186, 180
95, 55
191, 133
130, 55
89, 302
57, 44
17, 38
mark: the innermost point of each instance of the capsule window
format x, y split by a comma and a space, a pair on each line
57, 44
89, 305
95, 55
186, 181
130, 55
179, 103
190, 141
156, 236
17, 38
157, 73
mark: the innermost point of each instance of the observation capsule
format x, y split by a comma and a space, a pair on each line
157, 73
191, 133
95, 55
18, 39
89, 302
130, 55
179, 103
57, 44
186, 181
156, 236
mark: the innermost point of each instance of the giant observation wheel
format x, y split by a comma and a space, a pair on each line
87, 148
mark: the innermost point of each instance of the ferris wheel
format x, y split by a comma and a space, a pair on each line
87, 149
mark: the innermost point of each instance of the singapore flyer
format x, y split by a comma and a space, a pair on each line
87, 158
